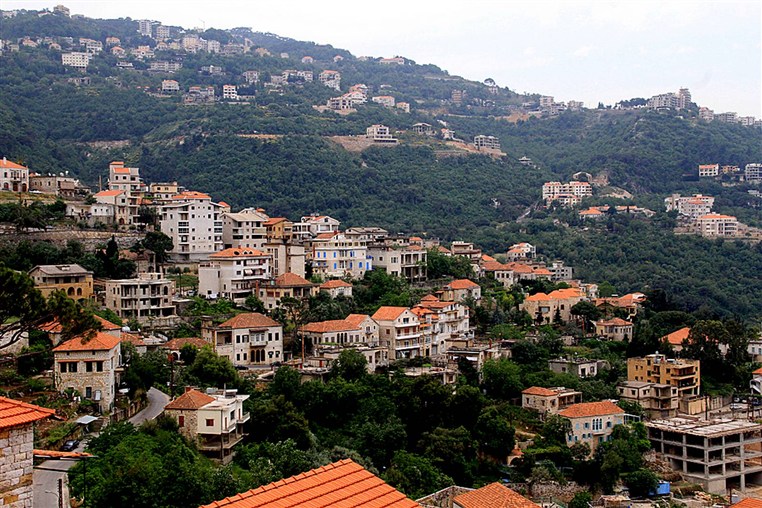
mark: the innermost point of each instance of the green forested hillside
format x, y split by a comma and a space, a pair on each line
52, 125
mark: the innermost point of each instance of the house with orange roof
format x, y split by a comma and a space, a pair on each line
336, 288
249, 339
493, 495
233, 273
194, 223
717, 225
244, 229
279, 228
127, 180
356, 331
632, 303
213, 419
689, 206
442, 323
676, 338
592, 422
616, 329
90, 365
146, 298
399, 331
552, 307
592, 213
521, 251
500, 272
460, 289
13, 177
317, 224
549, 400
334, 255
72, 279
288, 285
17, 420
114, 207
344, 483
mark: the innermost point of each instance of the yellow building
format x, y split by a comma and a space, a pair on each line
683, 374
73, 280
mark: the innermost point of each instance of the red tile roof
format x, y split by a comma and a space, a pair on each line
132, 338
5, 163
585, 409
275, 220
238, 252
614, 322
388, 313
343, 484
192, 399
749, 502
677, 337
462, 284
249, 320
334, 325
332, 284
356, 319
106, 324
291, 279
14, 413
55, 454
190, 195
109, 193
538, 390
494, 495
100, 341
177, 344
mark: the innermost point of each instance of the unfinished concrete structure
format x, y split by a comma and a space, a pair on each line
718, 454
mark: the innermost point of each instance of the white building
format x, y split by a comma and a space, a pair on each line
144, 27
708, 170
490, 142
229, 92
194, 223
335, 255
385, 100
331, 79
566, 193
690, 206
170, 86
247, 339
408, 261
233, 273
714, 224
753, 172
244, 229
399, 331
13, 177
380, 134
77, 60
146, 298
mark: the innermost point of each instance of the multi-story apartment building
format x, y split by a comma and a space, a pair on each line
706, 114
318, 224
462, 289
385, 100
249, 339
683, 374
72, 279
164, 191
549, 400
690, 206
380, 134
335, 255
214, 420
441, 323
230, 92
121, 178
193, 222
753, 172
285, 258
563, 192
162, 32
331, 79
76, 59
147, 299
408, 261
90, 366
549, 308
708, 170
233, 273
13, 177
244, 229
145, 27
717, 454
286, 285
714, 224
399, 331
116, 203
657, 400
251, 77
490, 142
592, 422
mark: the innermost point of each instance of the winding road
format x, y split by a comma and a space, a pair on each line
47, 473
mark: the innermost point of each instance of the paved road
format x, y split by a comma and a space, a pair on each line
156, 402
47, 473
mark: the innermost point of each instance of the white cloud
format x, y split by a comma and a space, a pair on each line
583, 51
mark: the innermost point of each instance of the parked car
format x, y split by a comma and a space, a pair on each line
70, 446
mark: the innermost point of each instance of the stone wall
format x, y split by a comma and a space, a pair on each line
190, 425
16, 454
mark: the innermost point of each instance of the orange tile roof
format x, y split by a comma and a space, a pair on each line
192, 399
105, 324
462, 284
100, 341
133, 339
443, 250
55, 454
749, 502
758, 371
108, 193
191, 195
292, 279
585, 409
676, 338
177, 344
333, 284
387, 313
429, 298
537, 297
356, 319
542, 271
342, 484
121, 170
54, 326
14, 413
519, 267
5, 163
275, 220
222, 203
538, 390
716, 216
238, 252
614, 322
249, 320
494, 266
324, 236
334, 325
494, 495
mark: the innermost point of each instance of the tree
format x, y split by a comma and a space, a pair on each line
494, 433
587, 312
641, 482
22, 306
581, 500
415, 476
502, 379
351, 365
160, 244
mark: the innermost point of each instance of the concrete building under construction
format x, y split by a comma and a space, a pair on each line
718, 454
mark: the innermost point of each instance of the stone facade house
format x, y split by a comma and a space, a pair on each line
16, 443
90, 366
616, 329
247, 339
336, 288
592, 422
549, 400
72, 279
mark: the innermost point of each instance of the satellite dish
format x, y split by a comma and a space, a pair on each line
126, 329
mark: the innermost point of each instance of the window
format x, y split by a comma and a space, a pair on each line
88, 392
181, 421
210, 422
99, 366
89, 366
597, 423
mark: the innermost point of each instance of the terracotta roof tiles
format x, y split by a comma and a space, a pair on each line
292, 279
192, 399
332, 284
494, 495
249, 320
387, 313
100, 341
342, 484
5, 163
14, 413
749, 502
538, 390
586, 409
177, 344
237, 252
462, 284
677, 337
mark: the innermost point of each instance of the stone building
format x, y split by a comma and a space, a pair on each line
72, 279
17, 443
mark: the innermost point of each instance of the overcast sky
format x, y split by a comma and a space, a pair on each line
582, 50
